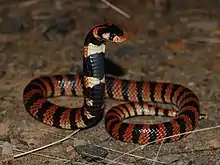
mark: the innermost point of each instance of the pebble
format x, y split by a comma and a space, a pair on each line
205, 25
11, 25
91, 153
191, 84
7, 148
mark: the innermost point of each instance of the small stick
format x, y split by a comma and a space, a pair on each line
116, 8
46, 156
46, 146
156, 157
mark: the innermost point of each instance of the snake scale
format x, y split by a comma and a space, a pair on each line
94, 86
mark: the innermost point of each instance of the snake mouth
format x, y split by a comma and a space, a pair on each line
119, 38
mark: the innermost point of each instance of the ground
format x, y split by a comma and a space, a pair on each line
46, 37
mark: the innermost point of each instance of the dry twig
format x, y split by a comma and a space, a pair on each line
116, 9
46, 156
156, 157
46, 146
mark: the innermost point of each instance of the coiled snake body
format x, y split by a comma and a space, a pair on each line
94, 86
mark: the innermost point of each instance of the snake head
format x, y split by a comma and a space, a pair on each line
109, 32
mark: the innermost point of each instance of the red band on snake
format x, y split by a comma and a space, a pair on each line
95, 87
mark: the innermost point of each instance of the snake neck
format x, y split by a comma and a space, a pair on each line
93, 59
93, 65
94, 74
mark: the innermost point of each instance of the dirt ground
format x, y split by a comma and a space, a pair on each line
46, 37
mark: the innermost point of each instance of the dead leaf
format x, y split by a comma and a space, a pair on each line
177, 46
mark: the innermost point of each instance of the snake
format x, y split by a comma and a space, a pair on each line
141, 96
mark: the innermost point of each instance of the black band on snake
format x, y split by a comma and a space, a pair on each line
94, 87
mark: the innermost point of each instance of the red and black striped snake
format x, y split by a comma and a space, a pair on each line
94, 87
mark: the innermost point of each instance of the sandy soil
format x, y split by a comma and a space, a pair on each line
46, 37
